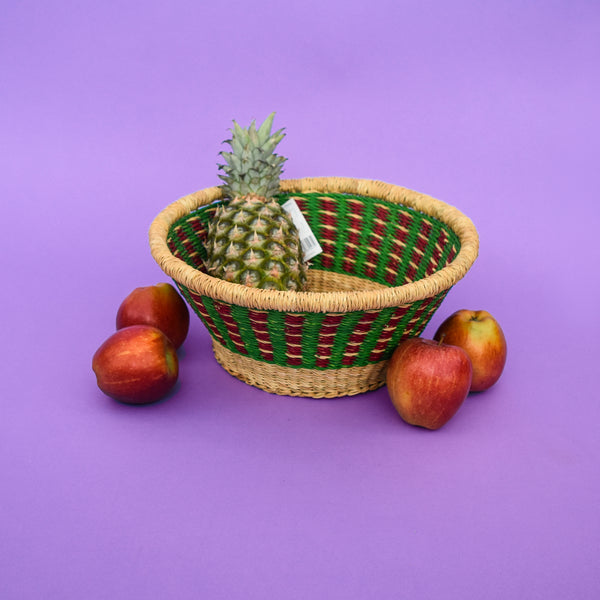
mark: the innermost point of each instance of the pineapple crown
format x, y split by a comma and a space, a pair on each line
252, 168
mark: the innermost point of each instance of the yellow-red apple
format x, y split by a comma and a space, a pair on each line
136, 365
428, 381
159, 306
482, 338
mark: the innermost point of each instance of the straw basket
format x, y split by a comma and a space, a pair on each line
390, 256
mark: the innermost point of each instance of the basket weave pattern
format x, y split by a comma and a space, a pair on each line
389, 258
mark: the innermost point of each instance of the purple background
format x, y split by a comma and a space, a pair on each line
112, 110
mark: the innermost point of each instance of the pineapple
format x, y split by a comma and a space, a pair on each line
251, 239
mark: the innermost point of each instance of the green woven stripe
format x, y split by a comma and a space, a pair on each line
241, 316
433, 306
342, 336
339, 238
310, 339
276, 328
401, 330
194, 257
374, 334
372, 337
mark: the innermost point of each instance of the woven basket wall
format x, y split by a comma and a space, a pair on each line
390, 256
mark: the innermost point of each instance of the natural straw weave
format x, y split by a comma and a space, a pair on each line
390, 256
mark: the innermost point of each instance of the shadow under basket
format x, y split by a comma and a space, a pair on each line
390, 256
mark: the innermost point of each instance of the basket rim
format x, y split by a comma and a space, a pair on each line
320, 302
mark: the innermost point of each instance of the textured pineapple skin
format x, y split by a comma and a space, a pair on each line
252, 241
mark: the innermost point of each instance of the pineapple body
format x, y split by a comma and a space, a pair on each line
251, 239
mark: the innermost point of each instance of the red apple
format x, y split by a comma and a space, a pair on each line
136, 365
428, 381
480, 335
159, 306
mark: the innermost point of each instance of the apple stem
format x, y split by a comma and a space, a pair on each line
441, 340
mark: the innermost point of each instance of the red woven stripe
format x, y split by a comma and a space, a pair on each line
329, 221
387, 334
185, 242
293, 339
370, 271
400, 237
261, 332
390, 276
443, 241
356, 222
372, 257
198, 226
328, 234
329, 206
264, 352
392, 269
349, 259
417, 254
377, 235
353, 238
426, 229
327, 255
436, 255
383, 213
411, 272
436, 303
301, 204
199, 303
357, 338
421, 311
357, 206
405, 220
224, 311
421, 245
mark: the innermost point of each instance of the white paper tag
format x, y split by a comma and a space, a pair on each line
310, 244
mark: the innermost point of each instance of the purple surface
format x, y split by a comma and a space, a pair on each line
109, 112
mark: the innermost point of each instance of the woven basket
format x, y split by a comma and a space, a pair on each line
390, 256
